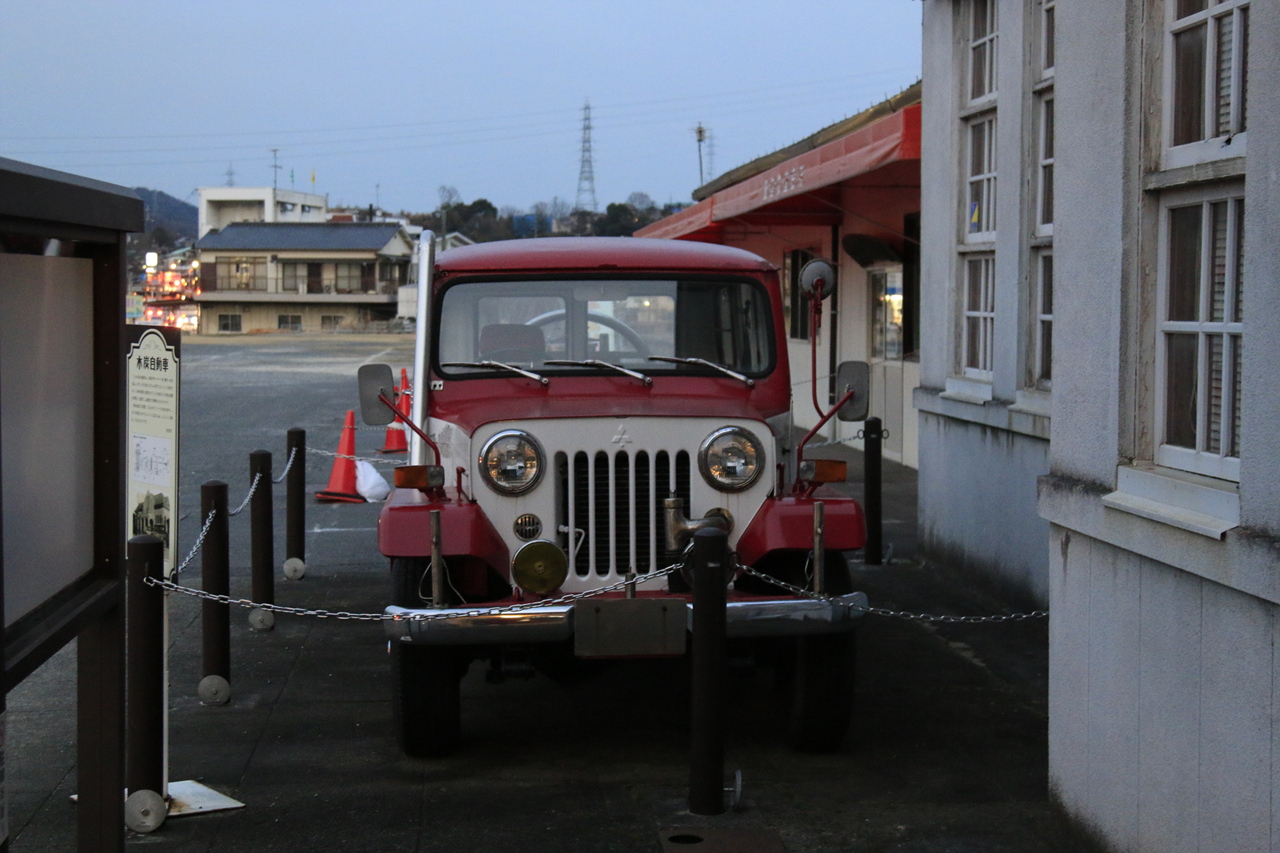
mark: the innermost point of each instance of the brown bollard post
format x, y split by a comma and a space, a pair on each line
145, 729
215, 578
295, 513
261, 541
709, 563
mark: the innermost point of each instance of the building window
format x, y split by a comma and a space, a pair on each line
1047, 35
347, 278
293, 277
982, 49
228, 322
979, 315
330, 322
1201, 335
1044, 214
796, 307
1208, 49
1044, 320
242, 274
289, 322
981, 208
885, 289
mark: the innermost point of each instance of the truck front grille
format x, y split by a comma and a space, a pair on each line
611, 505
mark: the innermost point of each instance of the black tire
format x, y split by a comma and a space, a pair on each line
426, 705
817, 679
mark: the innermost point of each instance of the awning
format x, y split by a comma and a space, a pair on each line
892, 139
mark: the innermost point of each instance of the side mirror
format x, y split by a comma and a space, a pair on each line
818, 279
376, 379
855, 375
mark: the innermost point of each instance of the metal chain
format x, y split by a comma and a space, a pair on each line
355, 458
415, 617
900, 614
293, 451
861, 434
196, 547
252, 488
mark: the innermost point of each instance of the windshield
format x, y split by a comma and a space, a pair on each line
620, 321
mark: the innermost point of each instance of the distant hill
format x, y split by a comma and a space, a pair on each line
164, 211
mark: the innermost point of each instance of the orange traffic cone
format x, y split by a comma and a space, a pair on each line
342, 481
396, 441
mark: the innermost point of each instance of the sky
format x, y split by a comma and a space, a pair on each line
387, 101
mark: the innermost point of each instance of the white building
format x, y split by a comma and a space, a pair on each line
1161, 503
221, 206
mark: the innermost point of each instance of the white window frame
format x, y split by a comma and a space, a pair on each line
1214, 145
988, 43
980, 317
1044, 157
1042, 310
1048, 29
1200, 460
983, 180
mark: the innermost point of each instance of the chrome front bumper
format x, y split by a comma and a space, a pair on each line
786, 618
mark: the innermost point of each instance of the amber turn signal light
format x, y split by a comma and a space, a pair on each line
824, 470
422, 477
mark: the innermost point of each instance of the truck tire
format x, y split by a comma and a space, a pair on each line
817, 678
426, 708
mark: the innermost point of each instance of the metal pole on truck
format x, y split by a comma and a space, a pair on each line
421, 387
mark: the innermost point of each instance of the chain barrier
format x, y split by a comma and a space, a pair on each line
293, 451
416, 617
196, 547
371, 459
861, 434
252, 488
899, 614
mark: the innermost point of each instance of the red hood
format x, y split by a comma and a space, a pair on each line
474, 402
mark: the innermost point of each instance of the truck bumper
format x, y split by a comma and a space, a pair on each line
743, 619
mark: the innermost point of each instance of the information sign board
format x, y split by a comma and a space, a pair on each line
151, 448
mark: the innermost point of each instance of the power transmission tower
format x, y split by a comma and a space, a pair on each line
586, 174
275, 168
231, 176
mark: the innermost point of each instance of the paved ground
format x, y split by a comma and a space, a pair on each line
947, 750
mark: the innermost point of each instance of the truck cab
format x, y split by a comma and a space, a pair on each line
585, 405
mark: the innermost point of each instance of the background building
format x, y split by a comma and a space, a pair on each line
312, 277
849, 193
221, 206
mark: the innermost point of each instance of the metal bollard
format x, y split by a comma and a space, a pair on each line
215, 578
144, 758
261, 542
872, 488
708, 560
295, 514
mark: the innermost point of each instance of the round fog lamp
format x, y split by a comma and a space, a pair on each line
731, 459
540, 567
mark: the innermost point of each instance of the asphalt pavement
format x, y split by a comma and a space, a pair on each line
947, 749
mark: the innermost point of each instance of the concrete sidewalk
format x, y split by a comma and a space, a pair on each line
947, 751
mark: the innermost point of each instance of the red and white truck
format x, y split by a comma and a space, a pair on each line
582, 407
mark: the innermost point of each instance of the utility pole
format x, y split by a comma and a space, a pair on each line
700, 133
275, 168
586, 199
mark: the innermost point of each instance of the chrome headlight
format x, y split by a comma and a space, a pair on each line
511, 462
731, 459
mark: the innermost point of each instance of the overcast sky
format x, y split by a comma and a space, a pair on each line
394, 99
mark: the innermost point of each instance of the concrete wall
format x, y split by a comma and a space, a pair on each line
977, 503
1163, 693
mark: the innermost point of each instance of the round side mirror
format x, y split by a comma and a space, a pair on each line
818, 278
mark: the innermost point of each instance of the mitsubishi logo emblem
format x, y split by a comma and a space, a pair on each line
622, 439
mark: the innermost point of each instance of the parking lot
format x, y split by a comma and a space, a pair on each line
947, 751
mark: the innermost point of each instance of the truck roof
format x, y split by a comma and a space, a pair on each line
587, 253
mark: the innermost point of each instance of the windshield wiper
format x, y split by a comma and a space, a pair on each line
751, 383
498, 365
595, 362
